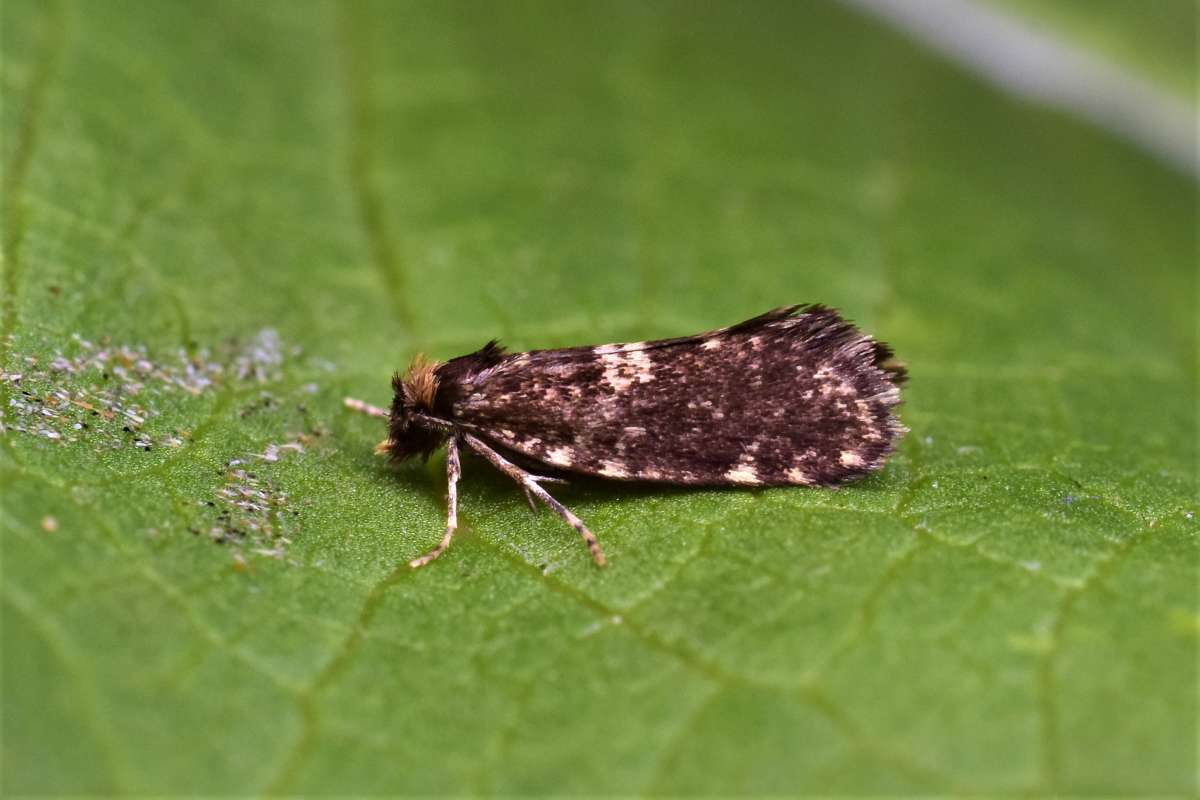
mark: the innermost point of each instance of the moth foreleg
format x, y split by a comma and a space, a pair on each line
530, 484
453, 472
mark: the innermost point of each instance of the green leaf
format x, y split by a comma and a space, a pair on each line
282, 203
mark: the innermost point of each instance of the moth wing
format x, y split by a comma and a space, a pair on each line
795, 396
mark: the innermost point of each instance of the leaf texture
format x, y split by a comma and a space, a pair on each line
220, 218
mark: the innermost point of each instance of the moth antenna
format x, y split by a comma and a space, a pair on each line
354, 404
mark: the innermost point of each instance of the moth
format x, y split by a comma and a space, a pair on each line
796, 396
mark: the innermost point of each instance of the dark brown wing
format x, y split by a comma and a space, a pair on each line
795, 396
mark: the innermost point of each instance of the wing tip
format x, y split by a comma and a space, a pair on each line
828, 324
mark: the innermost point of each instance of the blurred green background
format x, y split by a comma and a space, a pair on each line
223, 217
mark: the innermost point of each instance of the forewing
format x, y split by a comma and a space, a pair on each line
796, 396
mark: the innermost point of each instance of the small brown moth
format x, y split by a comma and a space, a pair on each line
796, 396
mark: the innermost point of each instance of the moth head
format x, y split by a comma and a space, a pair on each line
415, 394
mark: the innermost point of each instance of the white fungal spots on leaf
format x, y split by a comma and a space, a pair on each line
274, 452
106, 394
250, 512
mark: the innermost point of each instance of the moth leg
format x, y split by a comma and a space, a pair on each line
548, 479
453, 472
539, 479
354, 404
529, 483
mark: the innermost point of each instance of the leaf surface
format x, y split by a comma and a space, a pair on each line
223, 217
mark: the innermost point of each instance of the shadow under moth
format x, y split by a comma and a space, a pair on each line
796, 396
